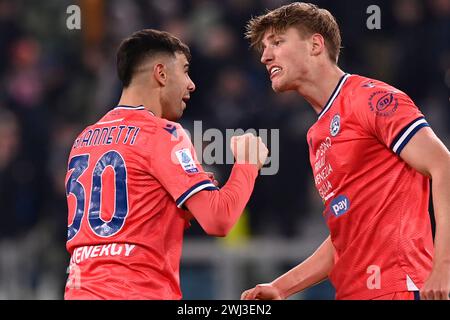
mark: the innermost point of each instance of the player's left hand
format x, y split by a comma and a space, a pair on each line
264, 291
437, 286
213, 179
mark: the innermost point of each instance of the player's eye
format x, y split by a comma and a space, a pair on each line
276, 43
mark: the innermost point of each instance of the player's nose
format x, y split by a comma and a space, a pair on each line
191, 85
266, 56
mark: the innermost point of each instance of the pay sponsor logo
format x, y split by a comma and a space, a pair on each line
340, 205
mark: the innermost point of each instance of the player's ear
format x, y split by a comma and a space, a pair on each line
318, 44
160, 73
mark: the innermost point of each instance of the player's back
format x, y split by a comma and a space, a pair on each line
125, 231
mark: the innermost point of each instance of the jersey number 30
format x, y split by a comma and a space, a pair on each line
100, 227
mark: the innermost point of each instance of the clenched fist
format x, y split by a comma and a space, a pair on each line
248, 148
265, 291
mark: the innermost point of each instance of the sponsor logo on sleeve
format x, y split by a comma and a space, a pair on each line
340, 205
383, 103
186, 160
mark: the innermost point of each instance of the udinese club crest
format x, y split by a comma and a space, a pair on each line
335, 125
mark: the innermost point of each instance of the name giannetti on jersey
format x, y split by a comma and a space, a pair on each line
123, 134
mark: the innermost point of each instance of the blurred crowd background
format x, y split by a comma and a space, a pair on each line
55, 81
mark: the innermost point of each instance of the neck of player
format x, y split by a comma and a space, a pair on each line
137, 95
320, 85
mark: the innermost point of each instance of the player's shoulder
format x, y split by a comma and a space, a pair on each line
372, 92
164, 126
137, 115
74, 150
364, 86
162, 123
82, 133
165, 134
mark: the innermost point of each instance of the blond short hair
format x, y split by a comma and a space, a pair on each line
306, 17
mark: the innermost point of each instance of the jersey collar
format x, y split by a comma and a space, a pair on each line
141, 107
334, 94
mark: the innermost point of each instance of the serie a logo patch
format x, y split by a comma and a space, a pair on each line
186, 160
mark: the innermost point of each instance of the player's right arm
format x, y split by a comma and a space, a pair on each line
173, 162
308, 273
217, 211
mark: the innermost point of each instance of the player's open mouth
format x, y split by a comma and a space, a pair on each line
274, 70
184, 101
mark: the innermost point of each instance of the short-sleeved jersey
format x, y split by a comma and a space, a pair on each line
376, 205
128, 177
